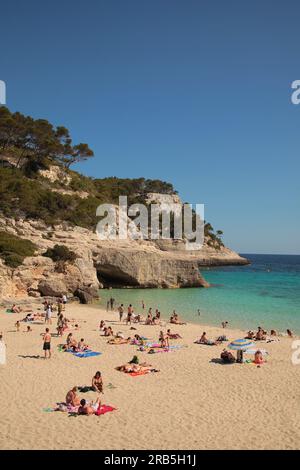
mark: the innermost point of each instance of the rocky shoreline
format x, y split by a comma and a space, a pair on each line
98, 264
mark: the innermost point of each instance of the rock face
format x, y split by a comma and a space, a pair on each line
130, 263
140, 268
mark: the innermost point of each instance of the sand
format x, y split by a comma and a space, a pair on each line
192, 403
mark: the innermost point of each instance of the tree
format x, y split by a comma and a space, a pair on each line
38, 141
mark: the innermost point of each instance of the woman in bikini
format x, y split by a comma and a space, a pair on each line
97, 382
71, 397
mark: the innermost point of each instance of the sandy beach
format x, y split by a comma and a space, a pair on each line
192, 403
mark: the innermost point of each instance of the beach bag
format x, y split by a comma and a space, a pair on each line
134, 360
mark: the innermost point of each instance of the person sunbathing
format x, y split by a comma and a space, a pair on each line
71, 342
204, 340
87, 409
163, 339
82, 346
71, 397
227, 356
250, 335
173, 335
260, 335
108, 331
97, 382
119, 340
130, 367
16, 309
258, 358
175, 319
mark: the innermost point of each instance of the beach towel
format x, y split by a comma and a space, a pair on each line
158, 346
87, 354
141, 372
104, 409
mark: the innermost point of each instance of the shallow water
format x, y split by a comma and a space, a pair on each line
265, 293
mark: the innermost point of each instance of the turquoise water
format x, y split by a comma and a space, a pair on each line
265, 293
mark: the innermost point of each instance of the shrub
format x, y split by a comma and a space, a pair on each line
60, 253
13, 249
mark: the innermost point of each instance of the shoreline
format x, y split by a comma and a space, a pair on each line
171, 409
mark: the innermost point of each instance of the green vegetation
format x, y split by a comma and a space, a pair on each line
13, 249
60, 253
35, 142
28, 145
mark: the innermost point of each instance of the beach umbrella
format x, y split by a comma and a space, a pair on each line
241, 344
253, 351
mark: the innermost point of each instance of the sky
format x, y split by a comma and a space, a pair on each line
197, 93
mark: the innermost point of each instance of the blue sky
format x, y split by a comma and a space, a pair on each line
192, 92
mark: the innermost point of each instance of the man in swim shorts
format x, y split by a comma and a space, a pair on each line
47, 343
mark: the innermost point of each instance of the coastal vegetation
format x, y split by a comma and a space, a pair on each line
60, 253
29, 148
13, 249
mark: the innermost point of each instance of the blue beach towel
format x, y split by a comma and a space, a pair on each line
87, 354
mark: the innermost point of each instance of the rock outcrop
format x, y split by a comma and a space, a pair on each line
131, 263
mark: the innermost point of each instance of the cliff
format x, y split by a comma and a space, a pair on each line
131, 263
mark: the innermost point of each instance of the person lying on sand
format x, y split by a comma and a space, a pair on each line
119, 341
173, 335
128, 368
86, 408
97, 382
137, 340
204, 340
72, 398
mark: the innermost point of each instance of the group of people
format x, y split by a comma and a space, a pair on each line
262, 335
83, 406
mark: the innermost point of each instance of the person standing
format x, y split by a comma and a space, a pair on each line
112, 303
2, 350
129, 314
121, 311
47, 343
49, 314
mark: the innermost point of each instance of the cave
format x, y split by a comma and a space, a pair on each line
112, 276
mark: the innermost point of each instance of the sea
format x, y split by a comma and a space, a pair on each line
264, 293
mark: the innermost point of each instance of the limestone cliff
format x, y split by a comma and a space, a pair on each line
132, 263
